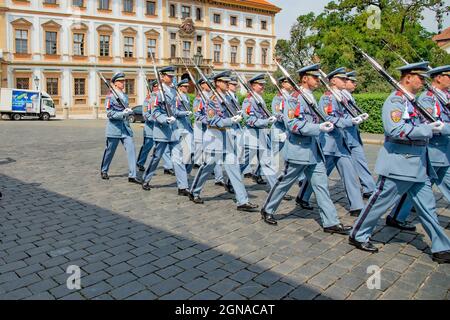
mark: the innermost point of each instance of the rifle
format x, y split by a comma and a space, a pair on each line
351, 109
113, 91
197, 87
214, 90
311, 104
181, 100
253, 94
149, 90
411, 98
161, 88
428, 86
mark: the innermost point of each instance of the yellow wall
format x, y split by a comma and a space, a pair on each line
3, 73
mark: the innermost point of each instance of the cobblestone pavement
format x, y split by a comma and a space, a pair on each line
132, 244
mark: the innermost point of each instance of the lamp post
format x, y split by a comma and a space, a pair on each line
36, 82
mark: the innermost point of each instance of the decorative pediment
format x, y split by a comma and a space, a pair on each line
51, 25
105, 28
234, 41
129, 30
217, 39
264, 43
79, 26
152, 33
250, 42
21, 22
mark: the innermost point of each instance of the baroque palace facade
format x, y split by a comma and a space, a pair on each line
59, 46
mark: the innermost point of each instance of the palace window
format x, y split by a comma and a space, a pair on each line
50, 42
151, 8
22, 83
264, 25
173, 50
78, 3
104, 45
185, 12
80, 86
233, 20
52, 86
21, 41
49, 1
249, 55
198, 14
172, 11
249, 22
233, 54
186, 49
216, 18
103, 4
217, 52
128, 5
173, 36
264, 55
151, 48
78, 44
128, 47
129, 86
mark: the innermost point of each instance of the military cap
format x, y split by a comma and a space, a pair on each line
351, 75
118, 76
200, 81
223, 76
234, 80
184, 82
339, 73
444, 70
419, 68
282, 79
153, 83
170, 71
259, 78
312, 70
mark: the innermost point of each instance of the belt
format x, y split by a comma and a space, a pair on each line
217, 128
412, 143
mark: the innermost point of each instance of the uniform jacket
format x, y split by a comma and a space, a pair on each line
148, 104
117, 125
256, 124
184, 121
352, 133
201, 119
278, 106
162, 131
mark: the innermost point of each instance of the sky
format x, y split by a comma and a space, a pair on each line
293, 8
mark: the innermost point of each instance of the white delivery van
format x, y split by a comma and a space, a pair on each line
18, 103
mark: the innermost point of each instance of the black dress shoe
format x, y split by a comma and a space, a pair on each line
249, 207
220, 183
288, 197
197, 200
259, 180
304, 204
248, 175
146, 186
367, 195
184, 192
355, 213
229, 187
365, 246
196, 166
300, 183
268, 218
134, 180
105, 176
140, 168
441, 257
391, 222
169, 171
339, 228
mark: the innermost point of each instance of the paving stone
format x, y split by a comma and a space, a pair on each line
96, 290
198, 285
166, 286
177, 294
277, 290
224, 286
127, 290
205, 295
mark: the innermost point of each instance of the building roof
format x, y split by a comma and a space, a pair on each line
258, 4
443, 37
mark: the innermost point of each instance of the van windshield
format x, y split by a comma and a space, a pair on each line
49, 103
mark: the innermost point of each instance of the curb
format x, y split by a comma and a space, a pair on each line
373, 141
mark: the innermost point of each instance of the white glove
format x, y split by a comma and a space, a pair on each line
272, 119
128, 111
326, 127
437, 126
237, 118
171, 120
282, 136
189, 113
364, 116
357, 120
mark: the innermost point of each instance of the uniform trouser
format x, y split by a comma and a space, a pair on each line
317, 176
145, 150
265, 165
198, 159
111, 146
349, 177
177, 157
403, 208
233, 172
362, 168
246, 166
388, 191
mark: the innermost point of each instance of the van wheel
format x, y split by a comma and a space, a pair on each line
16, 116
131, 119
45, 116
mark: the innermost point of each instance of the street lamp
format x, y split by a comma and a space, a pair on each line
36, 82
198, 58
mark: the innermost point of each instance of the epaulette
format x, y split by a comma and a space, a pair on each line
295, 94
249, 96
430, 93
327, 93
399, 93
396, 99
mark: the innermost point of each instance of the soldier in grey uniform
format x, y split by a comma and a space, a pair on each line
200, 125
147, 145
355, 142
118, 129
304, 156
217, 147
438, 147
166, 133
185, 128
335, 147
403, 166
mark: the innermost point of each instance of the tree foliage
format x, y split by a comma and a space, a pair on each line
325, 38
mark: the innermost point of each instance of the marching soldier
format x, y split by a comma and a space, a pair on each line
438, 147
257, 124
404, 167
200, 125
185, 126
118, 128
147, 108
166, 133
304, 156
336, 148
217, 147
355, 142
